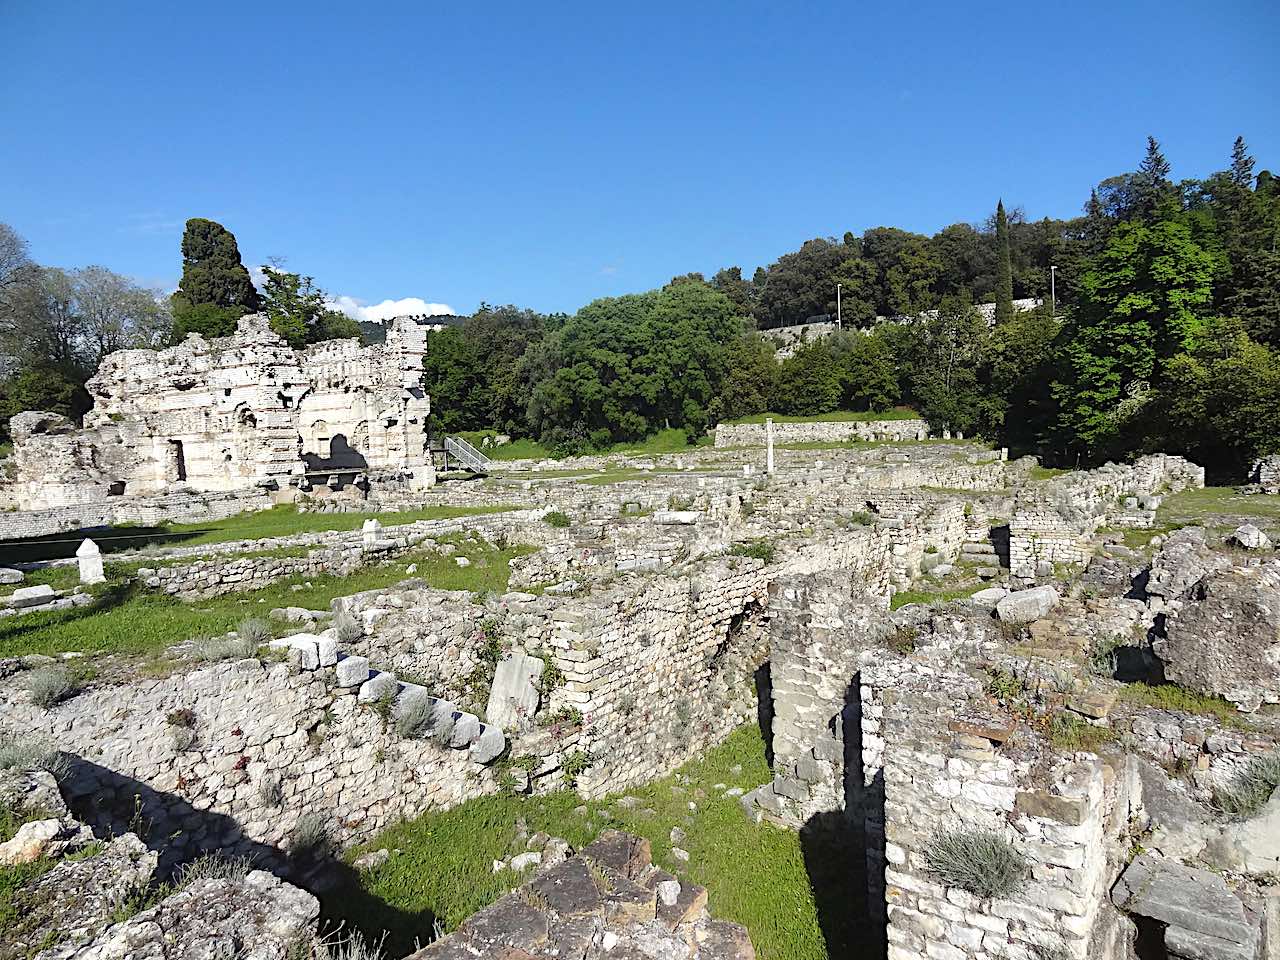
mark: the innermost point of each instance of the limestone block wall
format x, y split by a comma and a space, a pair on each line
107, 511
661, 672
1055, 524
753, 434
268, 746
949, 764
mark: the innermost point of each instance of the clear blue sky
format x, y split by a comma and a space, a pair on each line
547, 154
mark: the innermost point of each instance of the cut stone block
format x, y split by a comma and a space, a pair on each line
304, 646
32, 596
10, 576
466, 729
489, 745
676, 517
1024, 606
1203, 917
353, 671
327, 647
513, 698
378, 687
90, 559
1250, 537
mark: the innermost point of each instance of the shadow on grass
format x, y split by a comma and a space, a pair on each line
61, 546
114, 593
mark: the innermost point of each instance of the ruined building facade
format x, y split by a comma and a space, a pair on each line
230, 414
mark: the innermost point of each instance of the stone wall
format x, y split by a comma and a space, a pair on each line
1054, 524
753, 434
262, 746
147, 511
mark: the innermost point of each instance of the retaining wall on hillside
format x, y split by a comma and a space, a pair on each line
835, 431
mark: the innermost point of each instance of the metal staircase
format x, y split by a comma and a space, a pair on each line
466, 454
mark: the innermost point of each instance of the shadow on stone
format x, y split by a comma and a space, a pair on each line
841, 848
61, 546
764, 708
114, 804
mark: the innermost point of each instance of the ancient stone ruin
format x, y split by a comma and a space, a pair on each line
1063, 746
232, 414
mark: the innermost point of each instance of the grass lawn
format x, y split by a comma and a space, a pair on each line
279, 521
904, 597
757, 875
836, 416
1218, 509
664, 441
129, 619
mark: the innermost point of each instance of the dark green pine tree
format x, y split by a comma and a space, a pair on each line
215, 290
1004, 268
1241, 165
1151, 183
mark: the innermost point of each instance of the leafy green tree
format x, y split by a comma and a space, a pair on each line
298, 310
868, 380
750, 382
907, 270
967, 261
809, 381
1018, 408
1004, 268
1220, 402
948, 349
740, 292
43, 387
802, 284
856, 278
1144, 303
212, 274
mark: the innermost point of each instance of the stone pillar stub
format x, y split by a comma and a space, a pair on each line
90, 559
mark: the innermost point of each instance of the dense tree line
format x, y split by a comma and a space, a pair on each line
1163, 334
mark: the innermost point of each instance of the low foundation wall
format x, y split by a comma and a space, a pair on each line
834, 431
186, 508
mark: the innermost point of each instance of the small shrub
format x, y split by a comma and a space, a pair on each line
182, 738
980, 861
214, 649
350, 947
575, 765
415, 719
862, 518
1103, 659
182, 717
903, 640
1003, 685
1250, 788
254, 630
347, 627
1069, 731
758, 549
557, 518
684, 711
627, 704
271, 792
311, 837
49, 686
213, 866
28, 756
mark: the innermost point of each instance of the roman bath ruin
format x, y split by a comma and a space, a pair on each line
1034, 711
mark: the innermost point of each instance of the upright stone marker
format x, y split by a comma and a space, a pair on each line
513, 698
372, 531
768, 439
90, 559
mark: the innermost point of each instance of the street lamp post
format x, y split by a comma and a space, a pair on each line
1053, 291
839, 321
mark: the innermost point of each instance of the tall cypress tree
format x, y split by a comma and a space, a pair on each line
215, 290
1004, 268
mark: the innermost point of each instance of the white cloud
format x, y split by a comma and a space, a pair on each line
388, 309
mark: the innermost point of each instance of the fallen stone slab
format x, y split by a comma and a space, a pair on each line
1024, 606
676, 517
488, 746
8, 575
988, 597
514, 695
1250, 537
1203, 917
32, 596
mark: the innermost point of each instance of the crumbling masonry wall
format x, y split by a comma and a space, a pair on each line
228, 414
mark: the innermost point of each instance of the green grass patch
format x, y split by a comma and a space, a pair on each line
522, 448
1216, 506
1170, 696
835, 416
904, 597
279, 521
1046, 473
131, 619
755, 874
